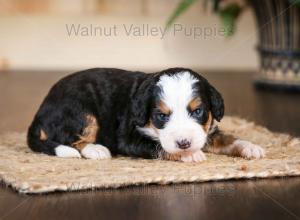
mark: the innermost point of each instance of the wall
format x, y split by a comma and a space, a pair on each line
40, 40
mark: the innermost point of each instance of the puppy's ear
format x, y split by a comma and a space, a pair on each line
216, 102
141, 102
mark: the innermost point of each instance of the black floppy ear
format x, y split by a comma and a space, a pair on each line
216, 102
141, 102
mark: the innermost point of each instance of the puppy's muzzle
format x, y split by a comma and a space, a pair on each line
183, 144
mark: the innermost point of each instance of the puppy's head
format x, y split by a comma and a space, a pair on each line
177, 107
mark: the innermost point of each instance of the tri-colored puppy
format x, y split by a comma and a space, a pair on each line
101, 112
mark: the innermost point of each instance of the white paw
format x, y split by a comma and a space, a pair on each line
66, 151
95, 152
248, 150
198, 156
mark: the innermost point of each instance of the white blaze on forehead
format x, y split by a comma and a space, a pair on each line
177, 90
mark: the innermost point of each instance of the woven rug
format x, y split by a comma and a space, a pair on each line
29, 172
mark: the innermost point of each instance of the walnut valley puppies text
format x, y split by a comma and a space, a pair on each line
143, 30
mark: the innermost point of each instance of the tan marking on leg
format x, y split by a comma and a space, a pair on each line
172, 157
219, 142
164, 108
43, 135
228, 145
194, 104
195, 156
89, 134
80, 144
223, 140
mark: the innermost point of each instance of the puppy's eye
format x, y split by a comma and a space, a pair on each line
198, 112
162, 117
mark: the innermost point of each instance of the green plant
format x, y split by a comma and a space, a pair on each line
228, 11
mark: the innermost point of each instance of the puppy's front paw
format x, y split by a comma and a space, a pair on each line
247, 150
197, 156
95, 152
66, 151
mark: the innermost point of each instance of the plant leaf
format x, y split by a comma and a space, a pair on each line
229, 15
181, 8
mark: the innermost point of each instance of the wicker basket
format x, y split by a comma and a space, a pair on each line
279, 43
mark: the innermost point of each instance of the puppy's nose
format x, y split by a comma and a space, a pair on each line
183, 144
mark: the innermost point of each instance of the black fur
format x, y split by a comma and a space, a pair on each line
217, 103
119, 99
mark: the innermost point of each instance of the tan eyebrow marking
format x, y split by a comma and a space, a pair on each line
194, 103
164, 108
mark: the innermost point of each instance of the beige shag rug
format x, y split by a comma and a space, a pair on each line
29, 172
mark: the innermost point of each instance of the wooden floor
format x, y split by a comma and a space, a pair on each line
22, 92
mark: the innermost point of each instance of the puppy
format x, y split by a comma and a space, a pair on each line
102, 112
